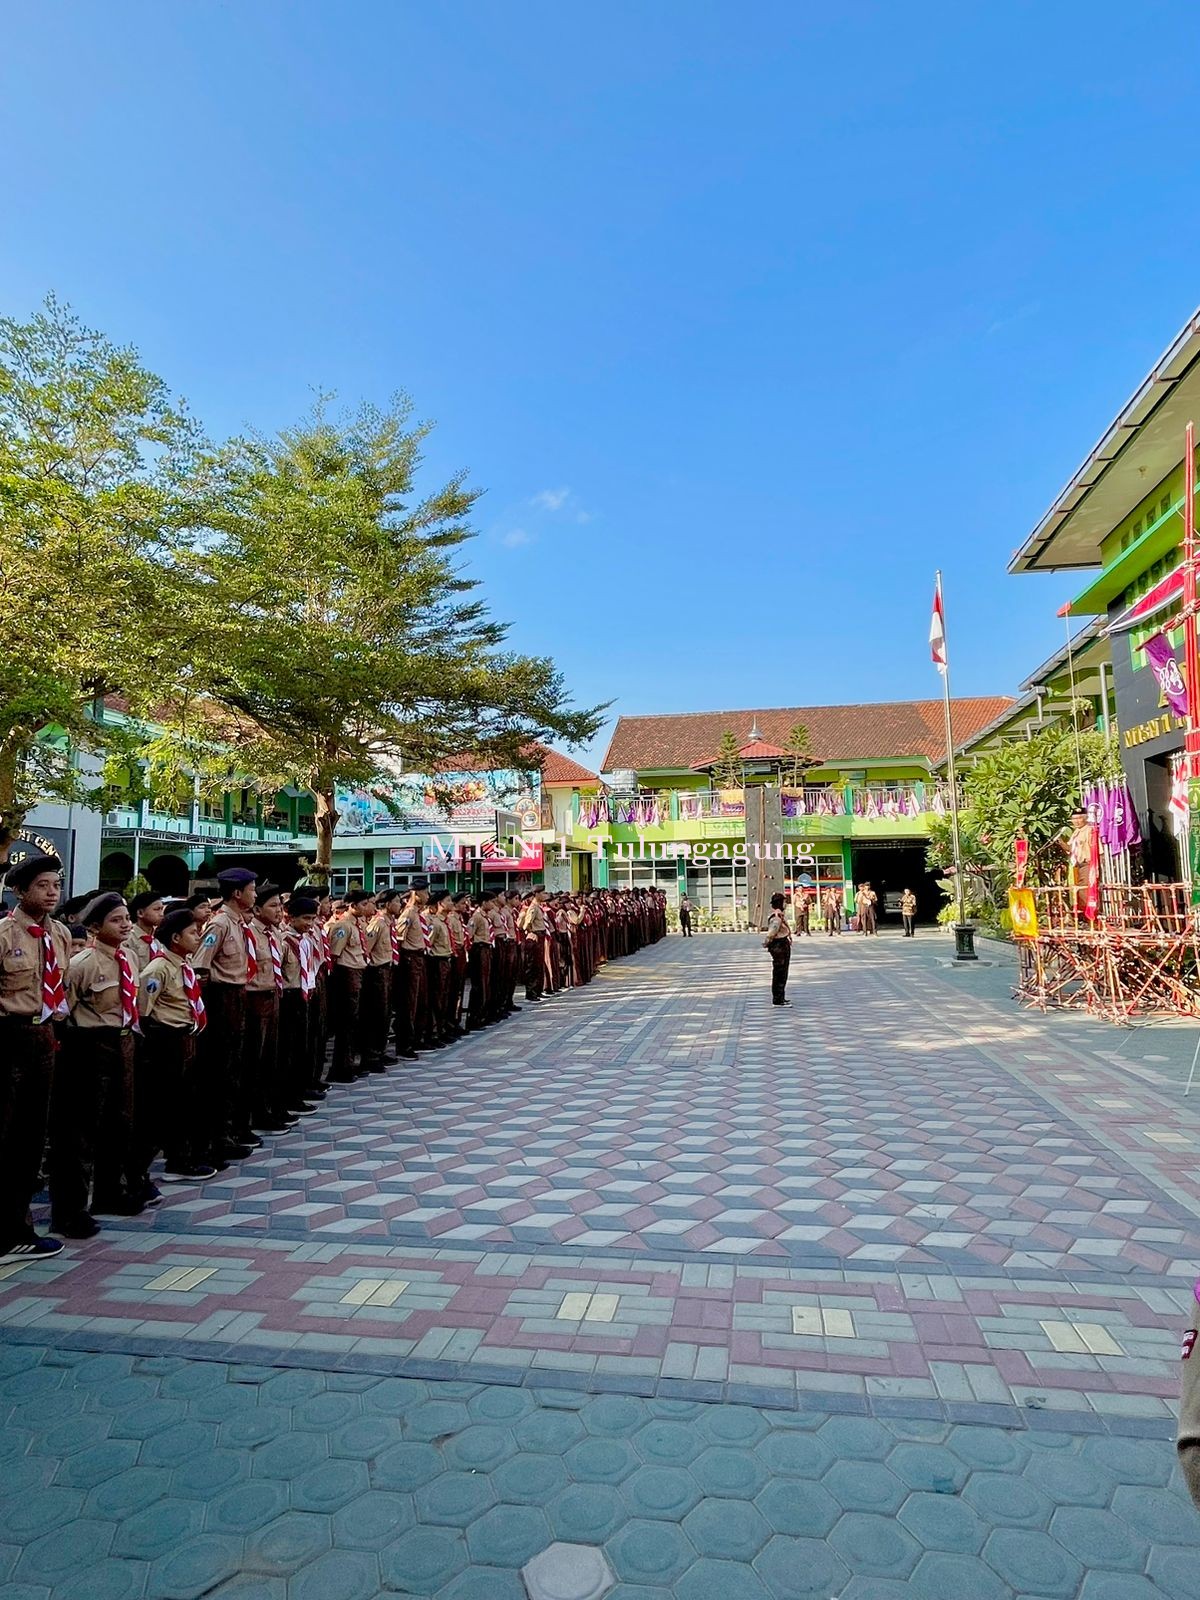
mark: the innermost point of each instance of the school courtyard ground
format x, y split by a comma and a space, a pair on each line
654, 1291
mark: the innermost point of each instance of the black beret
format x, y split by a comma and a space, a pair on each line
419, 883
267, 891
173, 924
148, 897
236, 877
357, 896
302, 905
24, 872
96, 910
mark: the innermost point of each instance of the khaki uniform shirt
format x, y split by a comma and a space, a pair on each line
777, 926
455, 929
379, 940
140, 948
222, 952
161, 994
345, 946
479, 927
496, 922
409, 923
439, 937
21, 963
533, 917
94, 988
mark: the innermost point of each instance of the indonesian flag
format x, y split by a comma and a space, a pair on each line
937, 631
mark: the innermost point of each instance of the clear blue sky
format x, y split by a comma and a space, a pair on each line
745, 317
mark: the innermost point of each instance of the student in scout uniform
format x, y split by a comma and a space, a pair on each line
296, 1006
200, 904
80, 937
412, 999
479, 962
456, 926
1188, 1438
35, 952
227, 952
864, 904
348, 955
169, 1102
778, 943
533, 927
91, 1104
147, 910
261, 1097
375, 1009
318, 1021
439, 962
685, 916
832, 910
908, 912
498, 976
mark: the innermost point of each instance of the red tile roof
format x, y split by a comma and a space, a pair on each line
887, 730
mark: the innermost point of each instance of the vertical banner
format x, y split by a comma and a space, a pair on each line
1022, 863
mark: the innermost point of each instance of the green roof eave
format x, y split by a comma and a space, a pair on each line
1159, 539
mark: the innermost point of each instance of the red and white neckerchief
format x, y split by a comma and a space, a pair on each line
324, 953
362, 940
426, 930
129, 1010
491, 928
152, 945
276, 959
454, 948
394, 929
304, 952
195, 1000
251, 953
54, 996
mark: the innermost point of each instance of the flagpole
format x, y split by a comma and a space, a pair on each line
961, 943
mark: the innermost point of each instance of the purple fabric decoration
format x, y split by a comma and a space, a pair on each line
1166, 669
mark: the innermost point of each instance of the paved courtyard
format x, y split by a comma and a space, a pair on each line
877, 1296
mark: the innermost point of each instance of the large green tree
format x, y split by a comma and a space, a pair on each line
95, 462
343, 642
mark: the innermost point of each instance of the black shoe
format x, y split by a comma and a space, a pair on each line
31, 1248
187, 1172
781, 1002
317, 1092
150, 1194
250, 1138
409, 1055
83, 1226
379, 1067
303, 1111
239, 1152
342, 1077
388, 1059
513, 1009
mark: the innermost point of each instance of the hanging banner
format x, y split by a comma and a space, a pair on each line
1165, 668
1022, 911
1022, 854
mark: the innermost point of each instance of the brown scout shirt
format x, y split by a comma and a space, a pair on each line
379, 940
345, 946
439, 938
141, 948
161, 994
479, 928
222, 952
21, 963
263, 981
94, 988
533, 918
409, 922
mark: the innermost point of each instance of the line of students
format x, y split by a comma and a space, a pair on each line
190, 1030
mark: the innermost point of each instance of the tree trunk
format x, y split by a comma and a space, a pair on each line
326, 822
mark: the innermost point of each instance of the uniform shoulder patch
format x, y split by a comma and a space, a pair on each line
152, 986
209, 942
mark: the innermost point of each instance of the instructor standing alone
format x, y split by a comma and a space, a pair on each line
779, 942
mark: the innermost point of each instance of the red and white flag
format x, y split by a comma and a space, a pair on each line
937, 631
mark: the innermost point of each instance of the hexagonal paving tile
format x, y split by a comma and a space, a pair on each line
1156, 1514
1130, 1461
1069, 1480
289, 1456
209, 1472
331, 1485
1032, 1562
423, 1560
325, 1411
66, 1552
364, 1438
436, 1419
586, 1513
159, 1529
942, 1576
729, 1473
508, 1536
666, 1492
287, 1543
650, 1552
1007, 1501
568, 1572
98, 1464
804, 1510
501, 1404
944, 1522
875, 1545
801, 1569
1098, 1538
480, 1447
127, 1492
530, 1480
339, 1575
195, 1567
663, 1443
601, 1460
485, 1583
794, 1455
29, 1515
856, 1436
731, 1425
405, 1467
246, 1506
865, 1486
374, 1520
614, 1415
548, 1432
105, 1580
173, 1446
727, 1530
455, 1498
928, 1466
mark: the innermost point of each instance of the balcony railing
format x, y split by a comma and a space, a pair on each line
870, 802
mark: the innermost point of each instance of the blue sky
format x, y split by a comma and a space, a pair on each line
745, 317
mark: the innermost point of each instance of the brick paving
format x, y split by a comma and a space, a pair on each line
897, 1274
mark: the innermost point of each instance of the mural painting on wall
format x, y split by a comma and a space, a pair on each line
459, 801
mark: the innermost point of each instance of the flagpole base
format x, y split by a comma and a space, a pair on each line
964, 942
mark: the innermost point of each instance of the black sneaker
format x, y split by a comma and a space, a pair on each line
83, 1226
32, 1249
239, 1152
304, 1111
409, 1055
188, 1172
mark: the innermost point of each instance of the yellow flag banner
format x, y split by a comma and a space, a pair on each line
1022, 911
